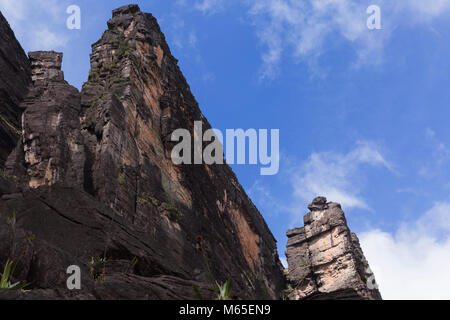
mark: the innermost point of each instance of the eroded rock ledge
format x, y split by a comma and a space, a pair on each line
325, 259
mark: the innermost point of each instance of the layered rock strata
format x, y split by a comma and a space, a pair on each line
91, 180
325, 259
14, 81
87, 180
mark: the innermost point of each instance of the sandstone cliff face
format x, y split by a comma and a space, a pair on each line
88, 177
325, 258
51, 149
14, 81
92, 177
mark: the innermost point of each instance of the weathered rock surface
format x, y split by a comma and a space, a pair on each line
14, 81
92, 177
89, 181
51, 149
325, 259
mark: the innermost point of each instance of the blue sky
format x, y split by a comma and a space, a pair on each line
363, 114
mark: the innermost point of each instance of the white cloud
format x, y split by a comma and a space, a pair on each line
303, 29
184, 39
337, 176
14, 11
422, 11
44, 39
284, 262
413, 263
49, 34
209, 6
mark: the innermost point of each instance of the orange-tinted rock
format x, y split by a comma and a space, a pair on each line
95, 179
14, 80
325, 258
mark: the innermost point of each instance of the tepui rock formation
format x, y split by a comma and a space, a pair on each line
87, 180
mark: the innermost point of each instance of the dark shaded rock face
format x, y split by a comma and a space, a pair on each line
325, 258
87, 180
14, 81
51, 150
92, 177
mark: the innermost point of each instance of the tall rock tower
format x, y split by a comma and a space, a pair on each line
14, 81
325, 259
94, 184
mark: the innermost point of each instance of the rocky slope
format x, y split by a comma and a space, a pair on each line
325, 258
87, 179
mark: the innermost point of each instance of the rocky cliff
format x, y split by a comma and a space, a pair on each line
325, 259
87, 180
91, 182
14, 81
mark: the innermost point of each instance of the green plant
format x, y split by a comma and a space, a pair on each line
198, 293
174, 213
98, 259
108, 68
11, 220
17, 131
92, 271
142, 201
94, 76
154, 201
134, 261
121, 178
7, 176
124, 49
5, 280
224, 290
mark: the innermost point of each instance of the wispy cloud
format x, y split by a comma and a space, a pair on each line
209, 6
414, 262
419, 10
49, 34
337, 176
184, 39
303, 30
439, 157
14, 11
44, 39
